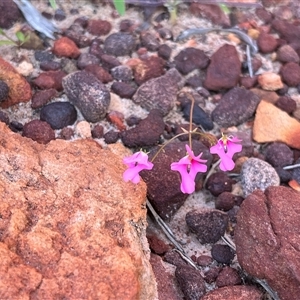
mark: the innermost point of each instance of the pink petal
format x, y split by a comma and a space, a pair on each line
233, 148
227, 164
187, 185
131, 174
197, 167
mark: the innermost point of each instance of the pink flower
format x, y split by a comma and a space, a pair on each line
136, 163
188, 167
226, 148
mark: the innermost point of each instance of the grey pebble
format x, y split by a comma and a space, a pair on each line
159, 93
88, 93
59, 114
257, 174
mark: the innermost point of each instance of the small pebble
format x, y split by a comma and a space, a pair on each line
266, 43
40, 98
191, 282
148, 68
98, 132
119, 44
224, 69
287, 54
122, 73
126, 25
96, 48
290, 73
49, 80
257, 174
123, 89
59, 15
98, 27
89, 95
4, 90
270, 81
111, 137
157, 245
222, 254
204, 260
86, 59
212, 274
109, 61
225, 201
65, 47
39, 131
236, 106
15, 126
194, 81
287, 104
209, 225
218, 183
174, 258
149, 41
4, 117
190, 59
200, 117
279, 154
50, 65
83, 129
133, 120
228, 276
99, 72
59, 114
167, 85
164, 51
154, 126
43, 56
67, 133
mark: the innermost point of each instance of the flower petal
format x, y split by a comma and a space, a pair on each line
227, 164
187, 185
233, 148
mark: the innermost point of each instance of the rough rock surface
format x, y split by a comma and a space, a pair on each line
271, 124
234, 293
88, 93
160, 92
70, 227
235, 107
267, 239
257, 174
224, 69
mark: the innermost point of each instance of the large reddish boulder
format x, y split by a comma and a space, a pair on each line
267, 239
70, 227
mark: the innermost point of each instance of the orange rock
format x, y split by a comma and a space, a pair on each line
270, 81
66, 48
271, 124
268, 96
72, 227
19, 88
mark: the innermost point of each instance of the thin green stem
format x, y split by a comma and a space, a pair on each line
168, 142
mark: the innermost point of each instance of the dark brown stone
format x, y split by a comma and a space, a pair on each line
208, 224
290, 74
241, 292
166, 285
267, 239
39, 131
191, 282
224, 69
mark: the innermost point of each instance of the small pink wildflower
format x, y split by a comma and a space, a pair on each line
226, 147
136, 163
188, 167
